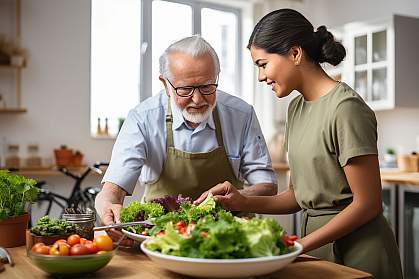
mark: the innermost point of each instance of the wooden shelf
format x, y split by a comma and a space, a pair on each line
12, 110
2, 66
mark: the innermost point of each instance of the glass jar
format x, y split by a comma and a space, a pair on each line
33, 160
12, 157
85, 223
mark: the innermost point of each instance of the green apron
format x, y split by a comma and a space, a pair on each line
191, 174
370, 248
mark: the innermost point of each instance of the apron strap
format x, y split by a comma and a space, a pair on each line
169, 122
218, 131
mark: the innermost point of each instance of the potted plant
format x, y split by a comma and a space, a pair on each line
77, 158
16, 194
63, 156
48, 231
15, 54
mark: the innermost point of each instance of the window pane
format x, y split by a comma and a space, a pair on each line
379, 84
171, 22
379, 46
219, 28
361, 50
361, 81
115, 60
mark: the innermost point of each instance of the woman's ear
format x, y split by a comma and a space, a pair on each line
296, 55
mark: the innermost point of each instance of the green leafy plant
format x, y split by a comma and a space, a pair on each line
15, 193
391, 151
50, 227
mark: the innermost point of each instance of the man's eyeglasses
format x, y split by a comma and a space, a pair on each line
187, 91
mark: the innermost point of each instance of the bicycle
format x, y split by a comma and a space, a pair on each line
81, 199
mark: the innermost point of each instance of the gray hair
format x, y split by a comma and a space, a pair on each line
195, 46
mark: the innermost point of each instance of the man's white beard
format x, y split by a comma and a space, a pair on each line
192, 117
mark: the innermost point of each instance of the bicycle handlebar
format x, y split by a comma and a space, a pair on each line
95, 168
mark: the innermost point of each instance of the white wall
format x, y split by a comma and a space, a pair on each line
56, 82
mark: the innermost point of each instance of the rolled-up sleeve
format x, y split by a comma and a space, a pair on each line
129, 153
256, 165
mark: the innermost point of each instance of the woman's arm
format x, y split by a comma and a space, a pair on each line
231, 199
363, 176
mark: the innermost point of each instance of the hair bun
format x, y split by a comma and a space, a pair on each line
330, 50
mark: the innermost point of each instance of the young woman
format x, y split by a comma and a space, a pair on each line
331, 138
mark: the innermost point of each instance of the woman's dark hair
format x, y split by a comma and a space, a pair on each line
280, 30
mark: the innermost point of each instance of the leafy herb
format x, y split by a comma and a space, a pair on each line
15, 193
49, 227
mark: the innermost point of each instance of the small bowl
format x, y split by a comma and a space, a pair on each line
71, 264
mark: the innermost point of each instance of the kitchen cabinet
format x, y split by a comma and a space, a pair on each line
382, 61
13, 71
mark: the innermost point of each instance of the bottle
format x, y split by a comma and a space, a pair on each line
98, 128
33, 160
106, 130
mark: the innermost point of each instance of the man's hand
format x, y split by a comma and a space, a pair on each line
108, 203
227, 196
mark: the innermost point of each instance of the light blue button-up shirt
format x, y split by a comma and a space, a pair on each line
140, 148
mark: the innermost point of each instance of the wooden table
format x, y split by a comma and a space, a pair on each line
134, 264
400, 178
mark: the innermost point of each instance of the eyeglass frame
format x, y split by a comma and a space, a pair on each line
193, 89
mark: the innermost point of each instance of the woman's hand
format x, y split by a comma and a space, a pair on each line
227, 196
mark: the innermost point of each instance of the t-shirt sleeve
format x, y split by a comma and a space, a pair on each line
354, 130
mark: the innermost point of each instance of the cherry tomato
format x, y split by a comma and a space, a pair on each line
73, 239
203, 234
78, 250
40, 248
160, 233
83, 240
102, 252
180, 224
103, 242
60, 249
61, 241
91, 247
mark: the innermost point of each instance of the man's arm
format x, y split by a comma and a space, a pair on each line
260, 189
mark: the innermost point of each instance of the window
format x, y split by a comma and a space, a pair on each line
128, 38
115, 60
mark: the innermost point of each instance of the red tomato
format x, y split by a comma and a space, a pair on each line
73, 239
78, 250
40, 248
103, 243
180, 224
203, 234
91, 247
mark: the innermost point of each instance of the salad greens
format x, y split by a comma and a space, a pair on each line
137, 211
50, 227
223, 236
207, 231
15, 193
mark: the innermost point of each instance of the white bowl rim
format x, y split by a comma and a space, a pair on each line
293, 254
128, 233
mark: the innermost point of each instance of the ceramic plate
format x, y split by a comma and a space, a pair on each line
135, 236
222, 268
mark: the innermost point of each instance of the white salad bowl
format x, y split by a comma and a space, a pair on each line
222, 268
135, 236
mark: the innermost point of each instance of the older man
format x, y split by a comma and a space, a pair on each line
188, 138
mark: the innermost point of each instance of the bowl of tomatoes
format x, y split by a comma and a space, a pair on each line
74, 255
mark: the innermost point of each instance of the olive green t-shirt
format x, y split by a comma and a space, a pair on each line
321, 136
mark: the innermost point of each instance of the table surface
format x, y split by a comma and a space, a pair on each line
130, 263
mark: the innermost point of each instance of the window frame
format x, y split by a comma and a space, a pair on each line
146, 40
